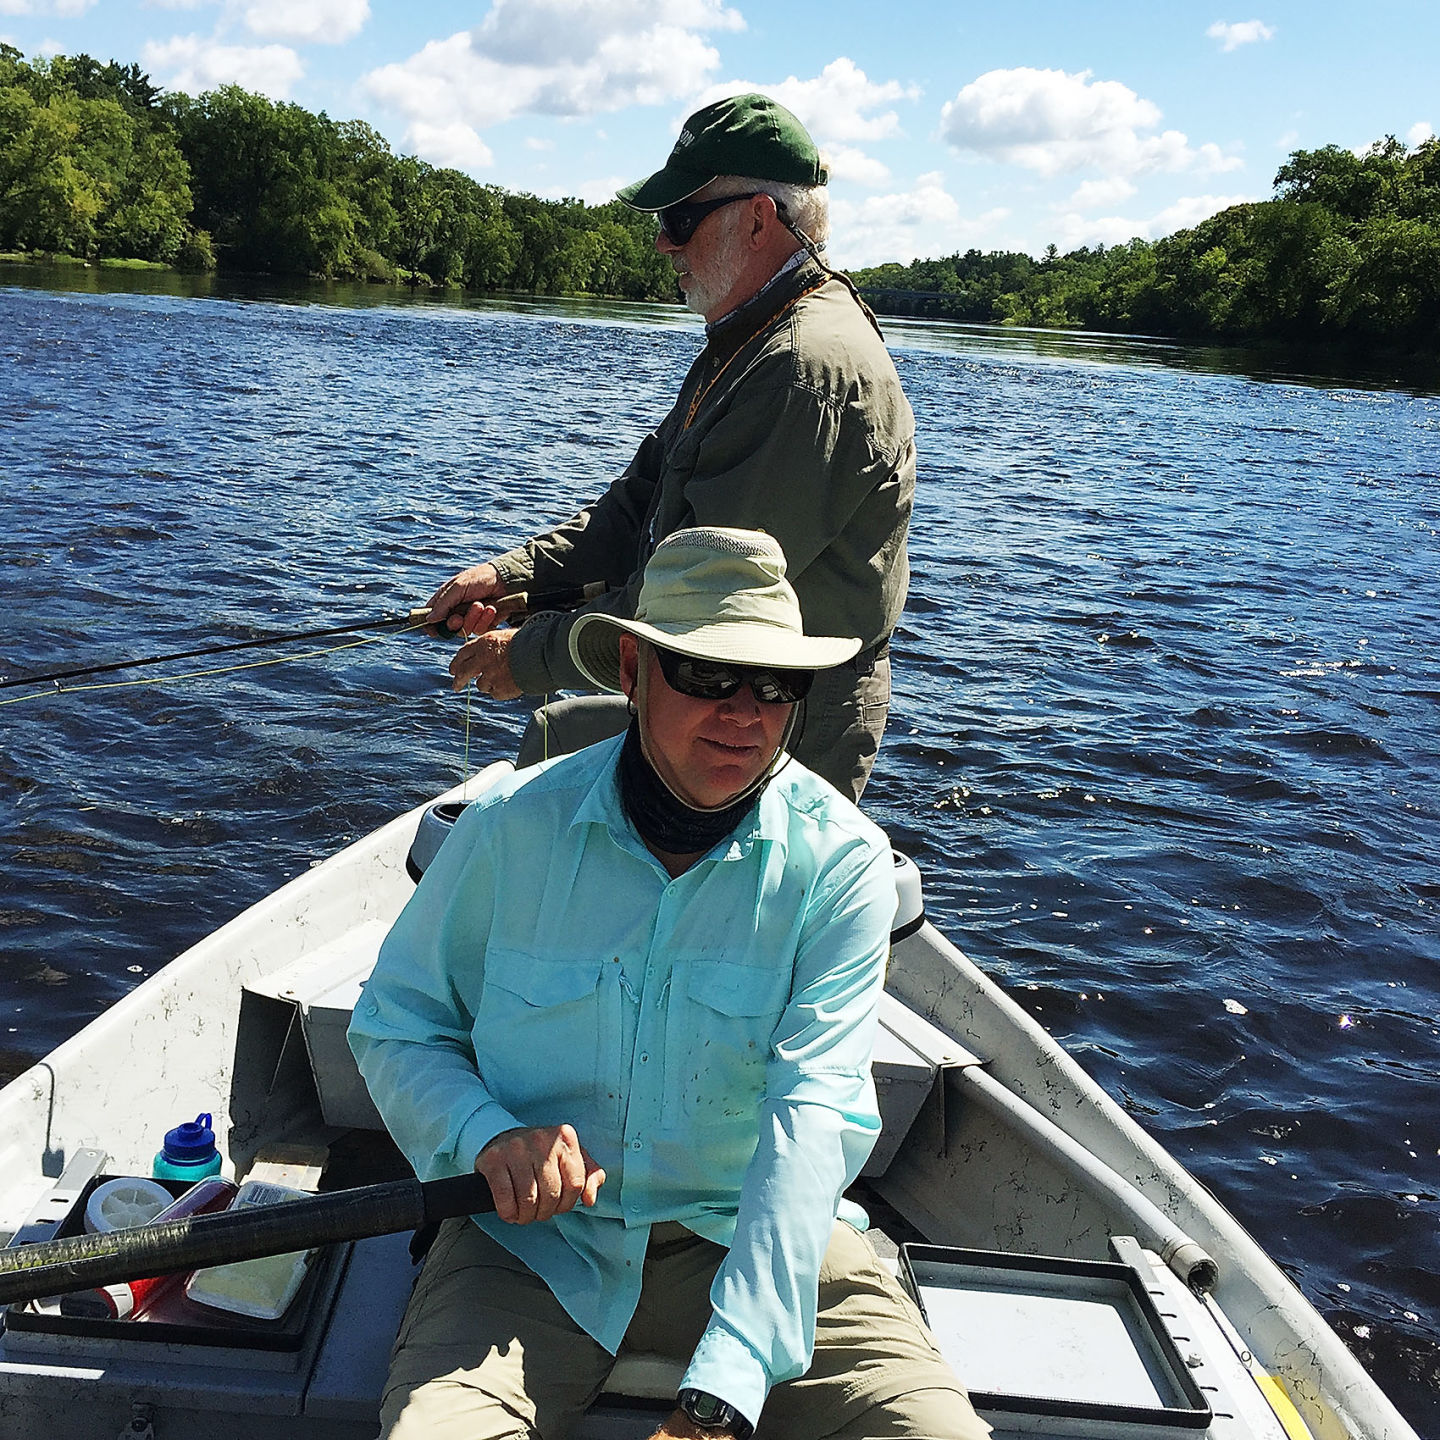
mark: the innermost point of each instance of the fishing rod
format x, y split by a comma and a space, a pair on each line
507, 607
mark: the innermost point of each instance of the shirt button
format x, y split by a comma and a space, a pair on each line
637, 1144
644, 1059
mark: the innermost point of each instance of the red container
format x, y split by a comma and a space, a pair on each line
130, 1298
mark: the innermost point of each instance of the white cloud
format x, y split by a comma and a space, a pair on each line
567, 58
1051, 121
1243, 32
61, 9
837, 108
846, 163
596, 191
1094, 194
534, 142
455, 146
192, 64
325, 22
1190, 210
1419, 133
923, 221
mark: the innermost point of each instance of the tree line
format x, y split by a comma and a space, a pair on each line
1347, 250
95, 161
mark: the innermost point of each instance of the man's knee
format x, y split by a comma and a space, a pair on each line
442, 1409
938, 1413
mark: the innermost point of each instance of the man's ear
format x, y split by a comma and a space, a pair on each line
763, 215
629, 664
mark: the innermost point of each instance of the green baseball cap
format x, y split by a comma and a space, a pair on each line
746, 135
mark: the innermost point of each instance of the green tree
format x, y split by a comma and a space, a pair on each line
264, 181
48, 201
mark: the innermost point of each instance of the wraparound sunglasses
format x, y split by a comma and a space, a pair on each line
679, 222
714, 680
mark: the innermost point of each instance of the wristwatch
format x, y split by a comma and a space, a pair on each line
710, 1412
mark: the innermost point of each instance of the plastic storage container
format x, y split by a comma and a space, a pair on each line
189, 1152
260, 1289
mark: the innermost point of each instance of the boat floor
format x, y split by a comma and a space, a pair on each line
79, 1388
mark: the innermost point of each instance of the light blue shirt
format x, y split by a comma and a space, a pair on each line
709, 1037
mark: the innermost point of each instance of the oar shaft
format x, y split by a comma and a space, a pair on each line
82, 1262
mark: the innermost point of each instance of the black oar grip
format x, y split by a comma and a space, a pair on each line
459, 1195
82, 1262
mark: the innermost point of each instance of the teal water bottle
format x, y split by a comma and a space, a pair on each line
189, 1152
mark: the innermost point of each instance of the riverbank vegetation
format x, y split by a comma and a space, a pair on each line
1348, 250
97, 163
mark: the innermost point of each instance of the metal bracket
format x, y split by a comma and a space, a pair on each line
54, 1206
142, 1423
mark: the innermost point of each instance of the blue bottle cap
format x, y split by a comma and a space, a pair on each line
191, 1142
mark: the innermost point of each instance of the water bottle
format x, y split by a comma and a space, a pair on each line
189, 1152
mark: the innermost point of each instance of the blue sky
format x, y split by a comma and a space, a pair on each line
948, 125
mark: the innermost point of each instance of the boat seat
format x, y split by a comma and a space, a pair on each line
561, 726
641, 1376
911, 1057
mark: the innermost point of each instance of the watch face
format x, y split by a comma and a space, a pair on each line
706, 1410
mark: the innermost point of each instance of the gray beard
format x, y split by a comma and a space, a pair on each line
703, 295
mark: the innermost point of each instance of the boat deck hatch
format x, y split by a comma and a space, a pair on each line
1056, 1346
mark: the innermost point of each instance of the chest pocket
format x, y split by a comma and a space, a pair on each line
548, 1036
718, 1039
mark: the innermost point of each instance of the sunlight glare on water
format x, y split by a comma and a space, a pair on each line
1164, 734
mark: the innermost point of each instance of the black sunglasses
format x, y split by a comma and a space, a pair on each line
679, 222
714, 680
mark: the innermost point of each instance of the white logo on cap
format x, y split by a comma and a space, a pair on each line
686, 138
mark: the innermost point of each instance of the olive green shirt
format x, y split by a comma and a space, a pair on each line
792, 421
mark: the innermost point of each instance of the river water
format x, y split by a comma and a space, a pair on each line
1167, 690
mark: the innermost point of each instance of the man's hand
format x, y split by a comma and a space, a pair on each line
486, 661
679, 1426
538, 1173
459, 604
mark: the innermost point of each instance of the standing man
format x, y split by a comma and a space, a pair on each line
636, 989
791, 421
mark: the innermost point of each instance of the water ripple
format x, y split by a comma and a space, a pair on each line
1163, 738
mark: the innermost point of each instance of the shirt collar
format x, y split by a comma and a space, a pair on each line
602, 805
793, 263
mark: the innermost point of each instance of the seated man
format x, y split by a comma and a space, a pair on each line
636, 989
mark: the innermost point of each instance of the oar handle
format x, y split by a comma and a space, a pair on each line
82, 1262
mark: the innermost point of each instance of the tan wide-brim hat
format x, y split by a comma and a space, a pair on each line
714, 594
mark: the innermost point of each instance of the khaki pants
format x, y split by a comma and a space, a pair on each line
845, 716
485, 1352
